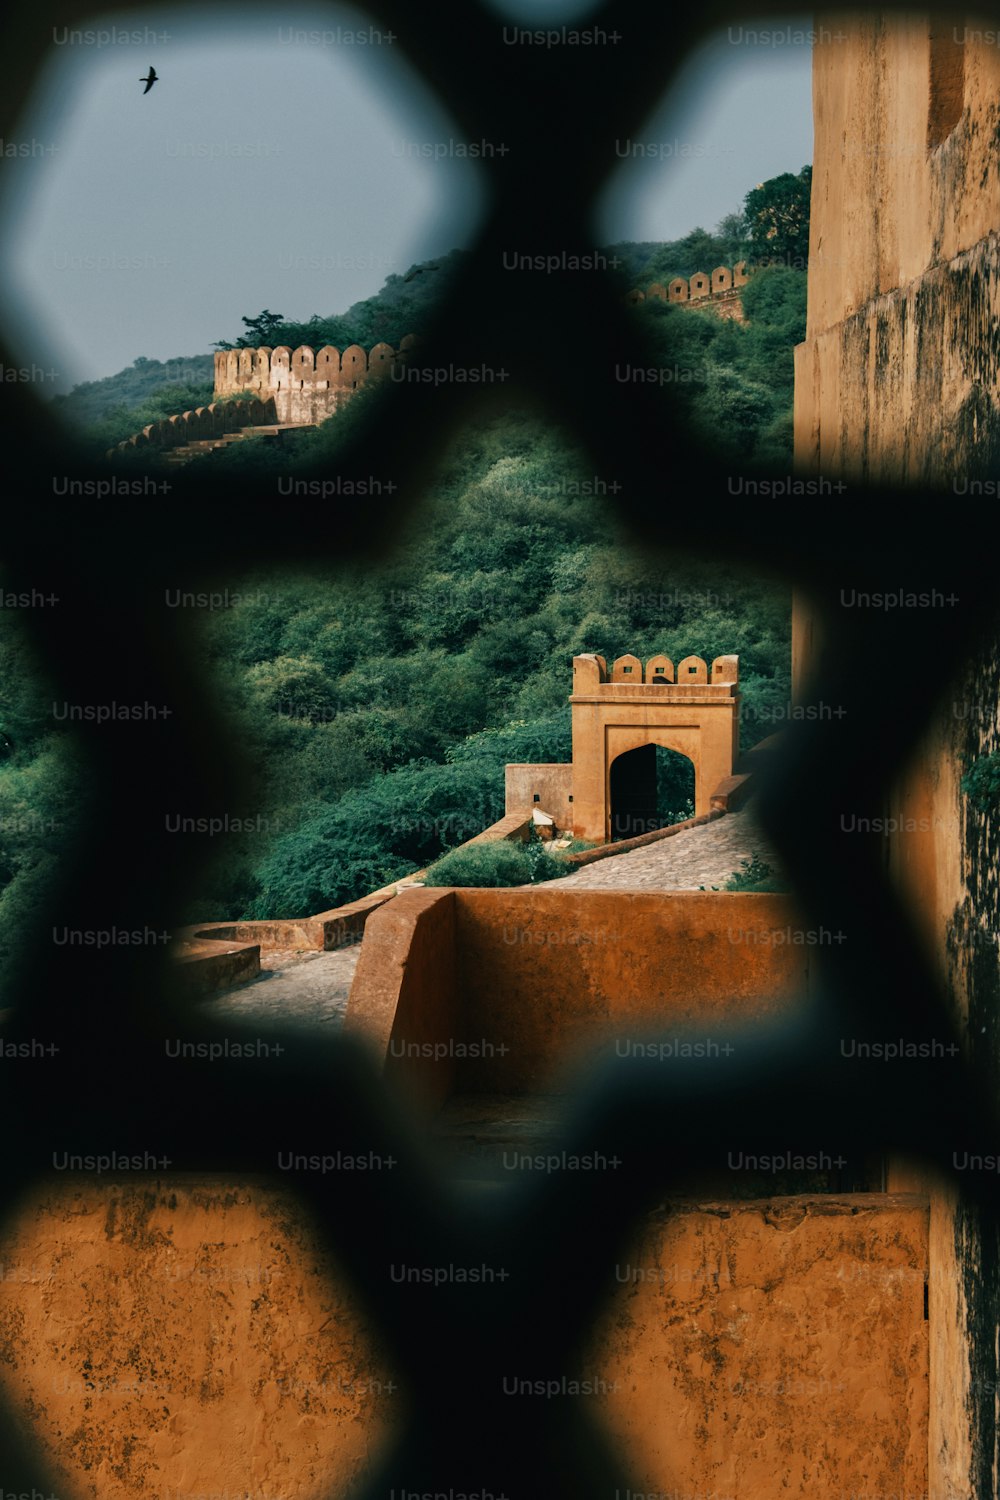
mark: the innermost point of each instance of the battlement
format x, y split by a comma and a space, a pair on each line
305, 384
658, 681
204, 423
722, 284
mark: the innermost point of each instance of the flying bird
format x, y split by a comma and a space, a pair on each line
150, 80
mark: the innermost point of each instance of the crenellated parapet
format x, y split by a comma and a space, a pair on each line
212, 421
305, 384
658, 679
721, 285
287, 387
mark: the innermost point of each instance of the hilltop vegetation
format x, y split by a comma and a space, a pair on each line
748, 370
771, 229
735, 380
379, 706
401, 306
147, 383
383, 705
644, 261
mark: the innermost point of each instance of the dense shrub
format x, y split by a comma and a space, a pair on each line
500, 863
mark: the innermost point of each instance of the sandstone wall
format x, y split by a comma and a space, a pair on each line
188, 1338
887, 204
722, 283
767, 1348
553, 976
184, 1339
306, 384
945, 858
897, 379
551, 785
907, 389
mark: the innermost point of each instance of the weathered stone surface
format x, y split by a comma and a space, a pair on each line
295, 990
542, 977
551, 784
898, 380
186, 1337
944, 858
898, 377
305, 385
705, 855
771, 1348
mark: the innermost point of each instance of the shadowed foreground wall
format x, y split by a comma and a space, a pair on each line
534, 978
944, 853
180, 1339
773, 1348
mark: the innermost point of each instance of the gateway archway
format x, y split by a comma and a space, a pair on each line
693, 711
649, 787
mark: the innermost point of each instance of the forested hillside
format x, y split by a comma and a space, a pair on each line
131, 388
380, 706
745, 371
110, 410
736, 380
384, 705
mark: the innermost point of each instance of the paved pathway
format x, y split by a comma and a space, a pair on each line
293, 989
703, 856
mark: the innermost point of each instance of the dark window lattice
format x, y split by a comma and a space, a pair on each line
559, 112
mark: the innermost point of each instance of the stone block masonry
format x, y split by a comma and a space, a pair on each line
305, 385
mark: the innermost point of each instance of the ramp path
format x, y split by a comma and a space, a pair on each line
705, 856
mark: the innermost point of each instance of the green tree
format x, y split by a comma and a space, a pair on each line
777, 213
775, 296
734, 228
294, 687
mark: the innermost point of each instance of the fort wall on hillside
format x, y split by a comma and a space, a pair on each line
204, 422
721, 289
281, 386
305, 384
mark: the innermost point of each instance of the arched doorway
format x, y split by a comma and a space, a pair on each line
651, 787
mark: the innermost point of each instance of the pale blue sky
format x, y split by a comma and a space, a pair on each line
740, 112
267, 169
